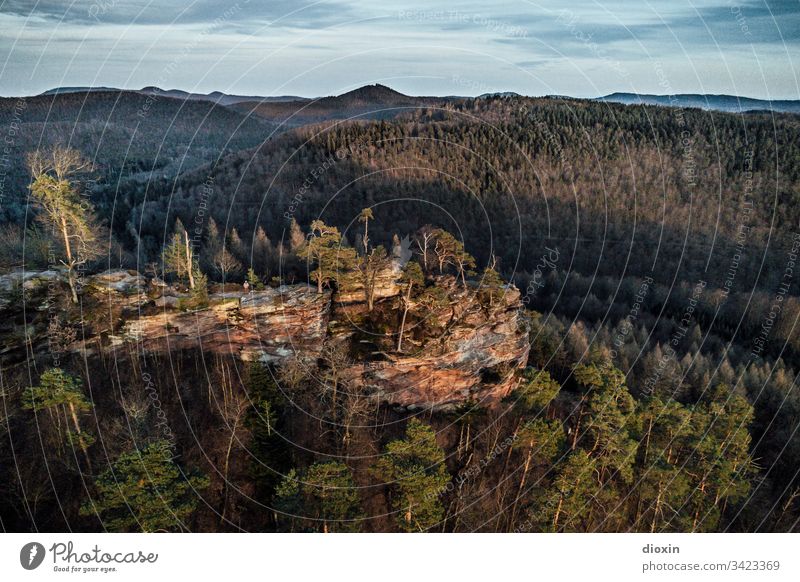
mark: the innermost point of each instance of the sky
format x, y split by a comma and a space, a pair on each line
418, 47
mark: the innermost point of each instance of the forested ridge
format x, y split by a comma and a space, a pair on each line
656, 252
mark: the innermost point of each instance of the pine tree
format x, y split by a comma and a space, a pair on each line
610, 411
323, 249
537, 389
720, 465
145, 491
255, 282
63, 208
370, 266
331, 497
491, 283
662, 485
414, 469
540, 441
57, 389
567, 504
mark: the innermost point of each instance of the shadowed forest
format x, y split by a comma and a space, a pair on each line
654, 250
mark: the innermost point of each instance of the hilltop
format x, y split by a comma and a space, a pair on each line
727, 103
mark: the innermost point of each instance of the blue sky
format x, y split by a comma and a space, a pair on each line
301, 47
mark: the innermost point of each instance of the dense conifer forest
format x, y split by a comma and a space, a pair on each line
655, 250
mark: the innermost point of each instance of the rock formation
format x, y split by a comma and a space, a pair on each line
475, 357
269, 325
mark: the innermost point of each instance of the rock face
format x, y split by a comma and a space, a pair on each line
269, 325
386, 285
474, 356
475, 360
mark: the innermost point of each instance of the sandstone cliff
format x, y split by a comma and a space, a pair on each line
474, 356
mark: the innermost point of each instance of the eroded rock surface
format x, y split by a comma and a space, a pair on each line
475, 357
269, 325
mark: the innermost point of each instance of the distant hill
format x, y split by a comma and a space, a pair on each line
62, 90
499, 94
131, 137
369, 102
728, 103
214, 97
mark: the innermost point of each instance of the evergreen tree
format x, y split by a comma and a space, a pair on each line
719, 464
323, 249
63, 208
662, 485
540, 441
330, 497
537, 389
145, 490
57, 389
370, 266
567, 504
491, 283
255, 282
610, 415
414, 470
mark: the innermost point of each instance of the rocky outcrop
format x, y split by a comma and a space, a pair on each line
386, 285
476, 359
270, 326
474, 355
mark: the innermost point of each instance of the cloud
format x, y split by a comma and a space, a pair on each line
300, 13
314, 48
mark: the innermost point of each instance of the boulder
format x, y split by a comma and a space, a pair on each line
119, 280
